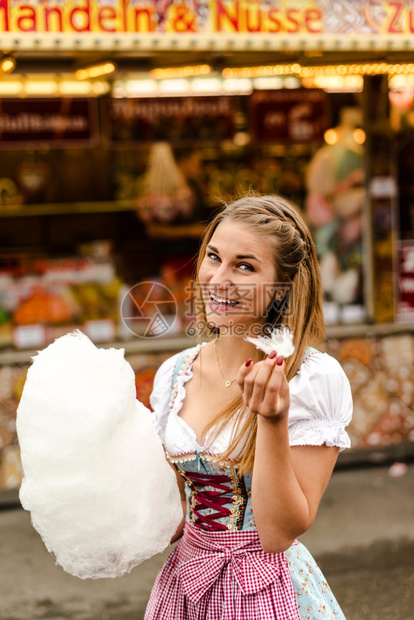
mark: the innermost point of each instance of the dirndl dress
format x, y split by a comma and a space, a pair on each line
218, 569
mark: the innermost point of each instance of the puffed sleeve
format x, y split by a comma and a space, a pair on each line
161, 394
321, 403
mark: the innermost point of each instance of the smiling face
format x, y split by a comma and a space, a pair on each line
237, 276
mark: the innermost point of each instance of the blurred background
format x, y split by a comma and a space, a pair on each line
123, 126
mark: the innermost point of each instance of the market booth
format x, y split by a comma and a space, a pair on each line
313, 100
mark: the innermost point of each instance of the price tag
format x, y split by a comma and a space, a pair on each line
353, 313
29, 336
383, 187
331, 312
100, 330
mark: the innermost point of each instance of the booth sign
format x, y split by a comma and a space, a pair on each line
326, 24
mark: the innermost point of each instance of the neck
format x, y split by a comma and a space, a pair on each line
233, 351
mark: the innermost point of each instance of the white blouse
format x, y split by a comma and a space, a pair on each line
320, 409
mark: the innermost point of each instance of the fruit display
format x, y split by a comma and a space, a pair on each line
56, 295
43, 307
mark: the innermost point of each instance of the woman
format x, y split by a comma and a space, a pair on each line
253, 439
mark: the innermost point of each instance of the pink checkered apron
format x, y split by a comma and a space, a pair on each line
222, 576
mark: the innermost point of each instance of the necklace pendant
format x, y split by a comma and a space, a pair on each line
228, 383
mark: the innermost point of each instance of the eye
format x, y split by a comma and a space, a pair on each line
213, 256
246, 267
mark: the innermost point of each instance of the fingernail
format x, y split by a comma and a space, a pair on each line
249, 361
279, 361
272, 355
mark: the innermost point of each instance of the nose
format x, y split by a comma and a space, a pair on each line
221, 279
222, 284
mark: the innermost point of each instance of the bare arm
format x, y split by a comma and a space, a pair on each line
287, 486
287, 483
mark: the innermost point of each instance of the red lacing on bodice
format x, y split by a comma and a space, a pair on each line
222, 493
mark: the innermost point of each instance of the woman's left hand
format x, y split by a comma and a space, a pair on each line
265, 388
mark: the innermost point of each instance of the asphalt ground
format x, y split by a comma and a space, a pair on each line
363, 540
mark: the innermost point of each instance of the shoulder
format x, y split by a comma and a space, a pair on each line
321, 371
321, 400
165, 373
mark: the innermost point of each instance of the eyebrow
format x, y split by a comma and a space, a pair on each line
239, 256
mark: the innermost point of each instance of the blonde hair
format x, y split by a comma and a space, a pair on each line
296, 263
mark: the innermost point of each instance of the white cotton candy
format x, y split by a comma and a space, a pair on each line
279, 340
96, 481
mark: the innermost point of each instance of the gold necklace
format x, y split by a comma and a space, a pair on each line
227, 382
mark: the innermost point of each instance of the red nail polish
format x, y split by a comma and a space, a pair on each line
249, 361
272, 355
279, 361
